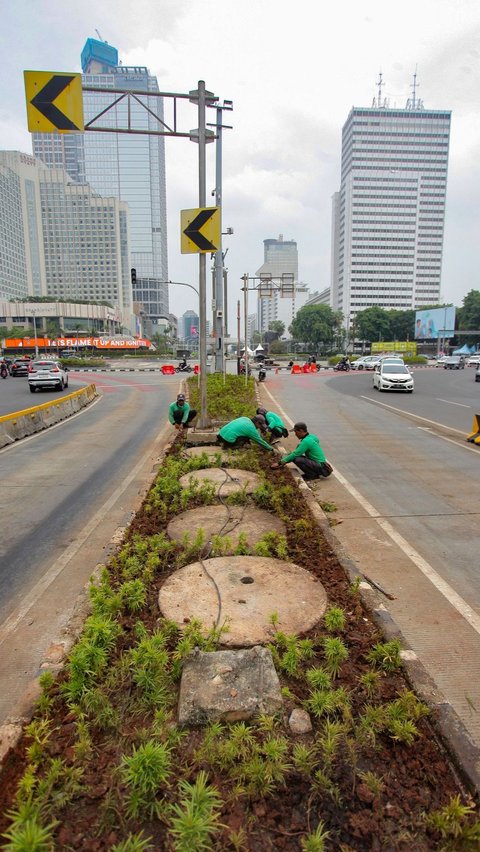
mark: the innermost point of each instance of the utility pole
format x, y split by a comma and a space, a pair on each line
202, 259
238, 337
219, 305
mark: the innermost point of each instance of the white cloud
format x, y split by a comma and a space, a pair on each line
293, 72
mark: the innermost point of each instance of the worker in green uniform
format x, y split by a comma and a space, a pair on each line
274, 424
180, 414
241, 431
308, 455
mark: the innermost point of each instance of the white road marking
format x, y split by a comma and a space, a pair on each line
426, 569
439, 399
29, 600
410, 414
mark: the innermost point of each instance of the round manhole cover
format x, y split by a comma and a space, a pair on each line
226, 480
243, 592
227, 521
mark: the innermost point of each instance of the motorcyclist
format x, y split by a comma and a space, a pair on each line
183, 364
344, 363
3, 369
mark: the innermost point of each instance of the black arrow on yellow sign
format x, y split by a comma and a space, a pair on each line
192, 231
43, 101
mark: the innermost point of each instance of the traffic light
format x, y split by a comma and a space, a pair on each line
134, 275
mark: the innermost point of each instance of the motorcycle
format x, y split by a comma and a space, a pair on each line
262, 374
183, 368
3, 371
342, 366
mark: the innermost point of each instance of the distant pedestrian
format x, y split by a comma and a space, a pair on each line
274, 424
308, 455
180, 414
241, 431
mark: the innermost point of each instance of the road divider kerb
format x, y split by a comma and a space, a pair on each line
21, 424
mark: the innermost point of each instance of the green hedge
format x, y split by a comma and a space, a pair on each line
227, 397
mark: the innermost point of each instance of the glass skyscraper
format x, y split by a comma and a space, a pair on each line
130, 167
388, 217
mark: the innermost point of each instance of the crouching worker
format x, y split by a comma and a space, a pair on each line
241, 431
180, 414
274, 424
308, 456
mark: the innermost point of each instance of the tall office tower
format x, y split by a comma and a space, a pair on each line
130, 167
280, 257
85, 242
388, 217
190, 324
22, 261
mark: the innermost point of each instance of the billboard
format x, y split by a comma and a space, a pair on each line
406, 347
435, 323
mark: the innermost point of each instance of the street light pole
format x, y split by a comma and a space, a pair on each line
35, 333
202, 259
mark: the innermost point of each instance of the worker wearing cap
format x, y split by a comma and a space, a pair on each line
273, 423
180, 414
308, 455
241, 431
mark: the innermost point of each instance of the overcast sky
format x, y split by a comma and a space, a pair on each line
293, 71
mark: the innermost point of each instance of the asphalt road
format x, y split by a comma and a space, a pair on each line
65, 492
428, 484
15, 394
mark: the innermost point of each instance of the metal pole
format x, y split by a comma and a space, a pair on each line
238, 337
218, 267
202, 259
245, 308
35, 333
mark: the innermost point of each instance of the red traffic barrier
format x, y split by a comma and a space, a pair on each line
296, 368
168, 369
313, 368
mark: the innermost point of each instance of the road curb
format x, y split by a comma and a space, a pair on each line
452, 734
55, 656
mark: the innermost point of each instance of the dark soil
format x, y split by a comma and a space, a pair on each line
416, 779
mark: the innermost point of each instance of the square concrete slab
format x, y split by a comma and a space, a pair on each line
228, 686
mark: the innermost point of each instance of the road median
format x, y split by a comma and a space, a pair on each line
20, 424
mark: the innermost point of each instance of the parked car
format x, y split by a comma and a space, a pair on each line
454, 362
19, 367
477, 373
47, 374
473, 361
367, 362
391, 376
440, 361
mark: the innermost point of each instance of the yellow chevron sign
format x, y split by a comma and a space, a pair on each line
200, 230
54, 102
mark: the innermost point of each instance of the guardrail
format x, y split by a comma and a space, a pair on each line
20, 424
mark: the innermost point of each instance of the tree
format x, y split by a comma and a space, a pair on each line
278, 326
315, 325
470, 313
402, 324
277, 347
373, 324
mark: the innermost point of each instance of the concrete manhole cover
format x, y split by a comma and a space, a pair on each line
229, 522
244, 591
226, 480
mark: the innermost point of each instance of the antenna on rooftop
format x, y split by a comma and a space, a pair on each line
414, 102
98, 34
377, 102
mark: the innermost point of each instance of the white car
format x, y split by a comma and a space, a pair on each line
391, 376
367, 362
46, 373
440, 361
473, 361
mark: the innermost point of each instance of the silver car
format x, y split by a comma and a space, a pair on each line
45, 373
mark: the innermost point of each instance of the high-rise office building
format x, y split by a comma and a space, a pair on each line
61, 239
280, 258
22, 262
388, 217
130, 167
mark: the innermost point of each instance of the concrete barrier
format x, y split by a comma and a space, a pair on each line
20, 424
474, 436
